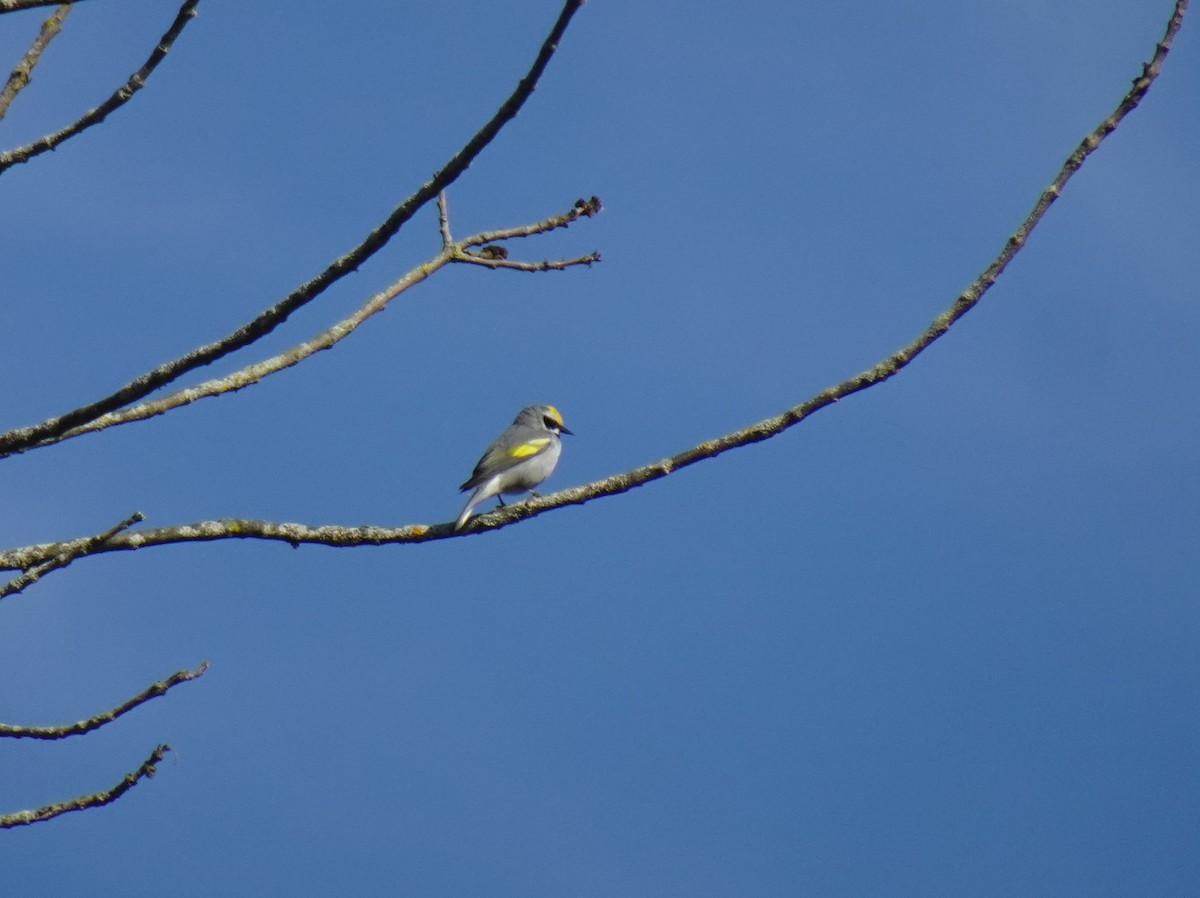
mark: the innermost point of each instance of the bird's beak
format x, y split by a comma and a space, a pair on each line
562, 429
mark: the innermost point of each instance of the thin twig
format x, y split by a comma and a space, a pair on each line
18, 5
19, 439
94, 800
297, 534
444, 219
94, 723
118, 99
582, 209
252, 374
62, 559
23, 70
544, 265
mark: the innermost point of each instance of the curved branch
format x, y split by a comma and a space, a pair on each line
23, 438
119, 98
154, 690
20, 75
252, 374
94, 800
336, 536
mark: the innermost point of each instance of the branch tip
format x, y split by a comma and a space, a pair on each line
154, 690
94, 800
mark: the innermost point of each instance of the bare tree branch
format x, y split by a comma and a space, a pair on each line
83, 802
22, 71
492, 255
252, 374
296, 534
80, 727
23, 438
18, 5
60, 560
118, 99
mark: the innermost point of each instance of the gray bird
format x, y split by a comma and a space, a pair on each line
517, 460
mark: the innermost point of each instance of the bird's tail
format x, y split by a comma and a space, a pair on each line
463, 515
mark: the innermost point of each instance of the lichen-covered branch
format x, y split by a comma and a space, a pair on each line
23, 70
337, 536
252, 374
23, 438
80, 727
93, 800
59, 560
119, 98
18, 5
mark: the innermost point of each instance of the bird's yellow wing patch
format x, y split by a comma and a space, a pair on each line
529, 447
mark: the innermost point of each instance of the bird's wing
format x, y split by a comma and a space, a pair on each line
500, 458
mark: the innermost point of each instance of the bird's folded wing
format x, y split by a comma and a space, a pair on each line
501, 458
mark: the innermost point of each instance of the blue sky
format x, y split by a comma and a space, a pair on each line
940, 639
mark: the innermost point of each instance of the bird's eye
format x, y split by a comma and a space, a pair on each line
550, 423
